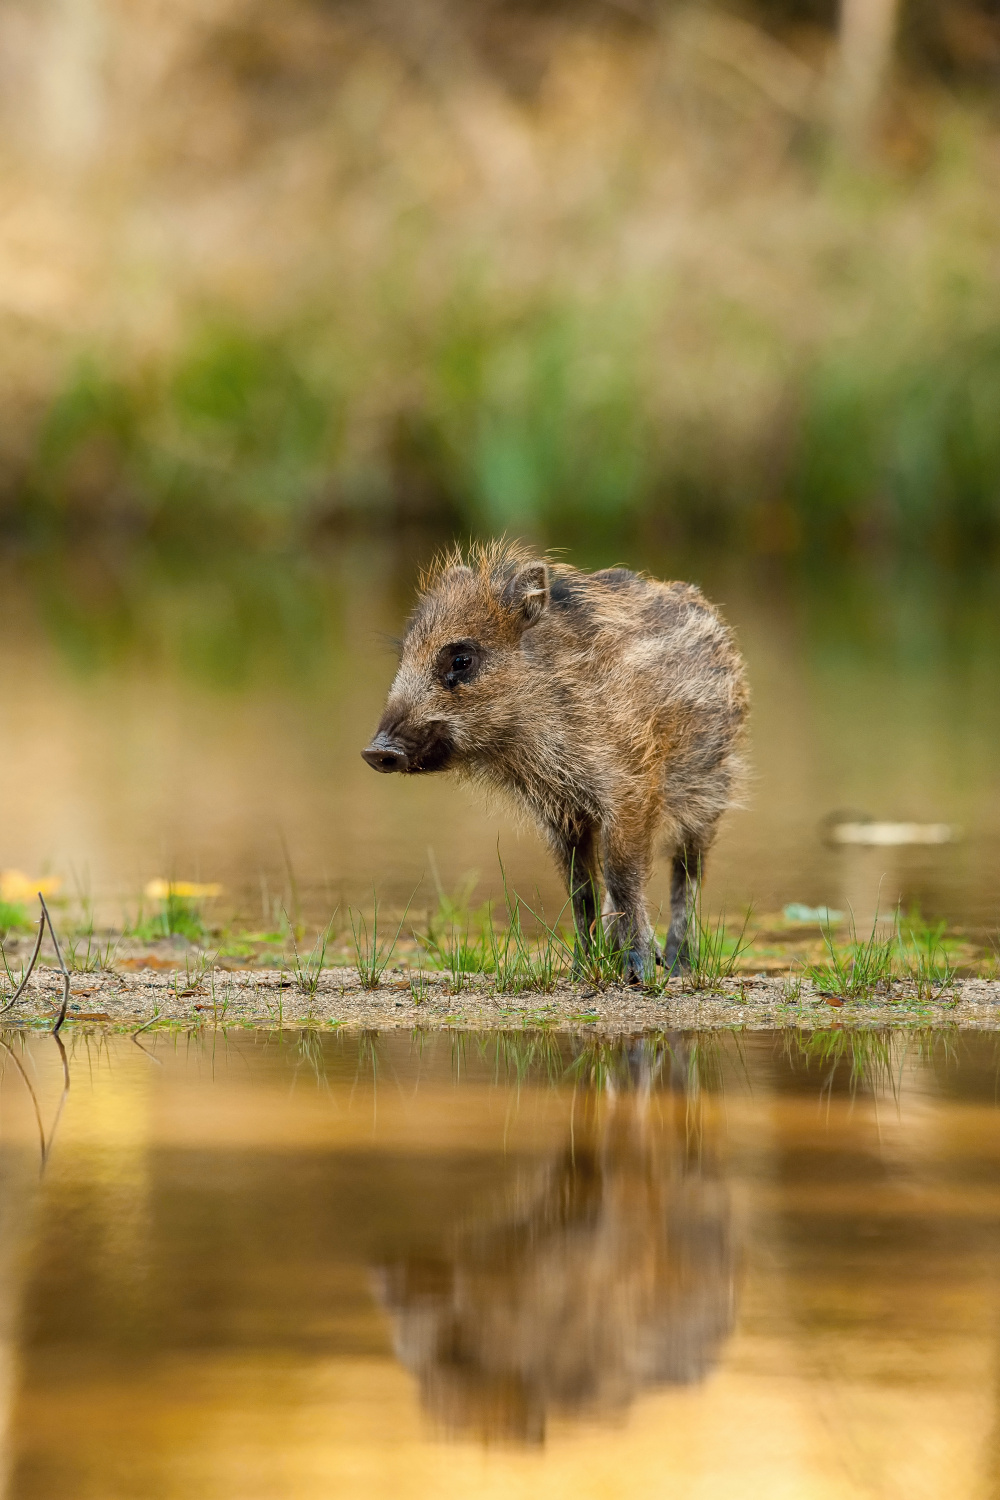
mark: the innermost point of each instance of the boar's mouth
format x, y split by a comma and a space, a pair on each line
399, 748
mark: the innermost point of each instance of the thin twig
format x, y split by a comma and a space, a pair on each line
146, 1053
34, 959
62, 1097
145, 1027
34, 1097
45, 1145
65, 972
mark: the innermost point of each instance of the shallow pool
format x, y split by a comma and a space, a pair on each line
204, 724
265, 1266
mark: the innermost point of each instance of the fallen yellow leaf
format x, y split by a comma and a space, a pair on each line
161, 890
16, 886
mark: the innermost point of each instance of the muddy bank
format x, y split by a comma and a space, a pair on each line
228, 998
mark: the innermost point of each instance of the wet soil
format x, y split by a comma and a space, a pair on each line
261, 998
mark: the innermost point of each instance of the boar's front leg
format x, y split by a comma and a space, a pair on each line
576, 849
627, 861
685, 880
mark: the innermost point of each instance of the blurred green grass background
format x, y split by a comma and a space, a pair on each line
561, 269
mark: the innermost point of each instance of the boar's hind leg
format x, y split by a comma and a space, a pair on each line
577, 852
626, 870
685, 879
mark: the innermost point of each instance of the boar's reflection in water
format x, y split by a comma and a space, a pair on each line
613, 1270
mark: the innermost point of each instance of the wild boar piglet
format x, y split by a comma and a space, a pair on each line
609, 705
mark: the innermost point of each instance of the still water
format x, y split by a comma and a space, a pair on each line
201, 719
258, 1267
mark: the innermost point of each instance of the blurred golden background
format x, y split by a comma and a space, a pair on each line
292, 293
640, 262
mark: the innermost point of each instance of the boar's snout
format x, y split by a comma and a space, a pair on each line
384, 754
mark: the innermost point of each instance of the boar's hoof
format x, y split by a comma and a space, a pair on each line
639, 967
677, 960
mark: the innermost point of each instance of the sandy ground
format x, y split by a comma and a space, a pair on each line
254, 997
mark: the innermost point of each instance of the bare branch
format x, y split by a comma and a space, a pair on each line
34, 1097
34, 959
44, 1145
145, 1027
65, 972
65, 1091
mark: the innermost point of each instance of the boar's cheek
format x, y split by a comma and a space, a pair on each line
433, 750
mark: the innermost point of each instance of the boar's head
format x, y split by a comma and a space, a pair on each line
455, 697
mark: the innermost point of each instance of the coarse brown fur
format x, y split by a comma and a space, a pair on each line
610, 705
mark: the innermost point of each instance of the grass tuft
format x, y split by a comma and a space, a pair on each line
14, 917
715, 954
454, 949
95, 957
854, 971
924, 959
509, 956
372, 953
177, 916
599, 961
308, 971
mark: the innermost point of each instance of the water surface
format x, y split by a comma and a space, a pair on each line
360, 1266
201, 719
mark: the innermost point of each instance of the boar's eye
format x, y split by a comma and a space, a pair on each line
458, 663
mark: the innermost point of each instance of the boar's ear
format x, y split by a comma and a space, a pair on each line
527, 593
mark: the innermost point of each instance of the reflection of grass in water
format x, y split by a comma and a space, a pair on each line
871, 1057
875, 1059
310, 1055
686, 1063
706, 1058
225, 612
602, 1064
369, 1058
525, 1056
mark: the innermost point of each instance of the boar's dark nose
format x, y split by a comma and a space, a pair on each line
383, 755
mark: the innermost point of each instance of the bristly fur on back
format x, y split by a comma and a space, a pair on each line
609, 705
